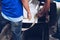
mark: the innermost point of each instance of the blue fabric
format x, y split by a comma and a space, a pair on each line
3, 22
16, 30
12, 8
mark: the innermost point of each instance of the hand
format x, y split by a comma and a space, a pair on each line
39, 15
29, 16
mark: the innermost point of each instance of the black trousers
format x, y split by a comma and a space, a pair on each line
53, 14
39, 31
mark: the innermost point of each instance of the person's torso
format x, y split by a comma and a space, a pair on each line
12, 8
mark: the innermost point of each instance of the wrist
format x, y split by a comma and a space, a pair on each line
28, 12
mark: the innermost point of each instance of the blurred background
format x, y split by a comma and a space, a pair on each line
41, 31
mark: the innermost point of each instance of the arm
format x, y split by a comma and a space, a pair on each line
26, 6
45, 8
